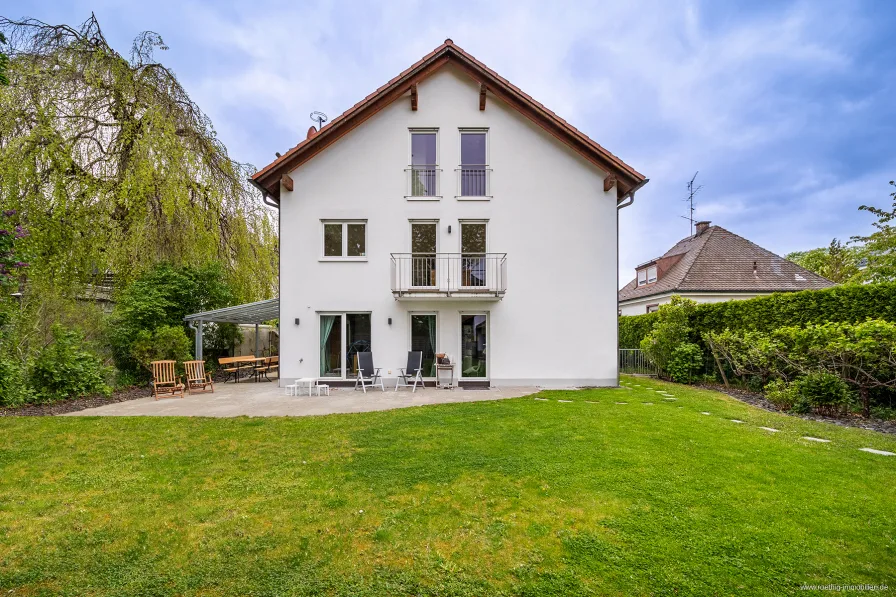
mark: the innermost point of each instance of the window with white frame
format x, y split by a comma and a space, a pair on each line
642, 277
424, 166
651, 274
344, 239
653, 308
647, 275
474, 163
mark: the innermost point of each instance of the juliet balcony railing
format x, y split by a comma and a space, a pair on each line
456, 275
474, 180
423, 181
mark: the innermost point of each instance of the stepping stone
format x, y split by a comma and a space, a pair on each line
772, 429
622, 403
817, 439
590, 402
648, 403
667, 398
564, 401
873, 451
705, 413
542, 399
736, 421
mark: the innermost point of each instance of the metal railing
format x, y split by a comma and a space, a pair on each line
448, 273
473, 180
423, 180
633, 361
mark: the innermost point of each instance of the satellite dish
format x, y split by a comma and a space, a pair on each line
320, 118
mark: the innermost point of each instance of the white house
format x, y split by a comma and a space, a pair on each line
449, 212
713, 266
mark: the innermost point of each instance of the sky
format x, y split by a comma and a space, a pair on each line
786, 109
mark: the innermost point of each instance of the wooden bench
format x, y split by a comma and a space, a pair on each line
231, 367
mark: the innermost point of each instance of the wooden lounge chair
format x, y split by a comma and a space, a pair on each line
165, 381
198, 381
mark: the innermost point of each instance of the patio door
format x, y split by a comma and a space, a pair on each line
474, 346
424, 237
473, 247
424, 329
342, 336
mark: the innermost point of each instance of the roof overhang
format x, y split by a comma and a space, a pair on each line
627, 179
258, 312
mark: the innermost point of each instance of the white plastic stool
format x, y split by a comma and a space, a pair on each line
324, 386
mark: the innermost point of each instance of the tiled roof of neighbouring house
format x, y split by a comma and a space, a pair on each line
717, 260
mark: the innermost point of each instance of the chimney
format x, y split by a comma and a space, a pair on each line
701, 227
311, 132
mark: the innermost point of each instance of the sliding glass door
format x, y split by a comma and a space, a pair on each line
342, 336
474, 346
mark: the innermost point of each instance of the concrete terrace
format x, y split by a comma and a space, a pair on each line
268, 400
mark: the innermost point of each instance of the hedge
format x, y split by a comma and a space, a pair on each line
849, 304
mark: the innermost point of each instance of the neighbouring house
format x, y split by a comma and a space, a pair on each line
713, 266
449, 212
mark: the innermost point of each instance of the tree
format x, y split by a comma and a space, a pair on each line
879, 248
672, 329
114, 168
835, 262
4, 62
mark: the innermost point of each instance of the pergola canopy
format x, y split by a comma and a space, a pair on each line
249, 313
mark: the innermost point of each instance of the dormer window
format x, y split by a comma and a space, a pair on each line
647, 275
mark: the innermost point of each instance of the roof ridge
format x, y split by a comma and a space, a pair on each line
709, 232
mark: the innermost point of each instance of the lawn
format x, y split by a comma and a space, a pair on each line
514, 497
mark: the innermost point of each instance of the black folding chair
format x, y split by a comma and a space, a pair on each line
367, 373
413, 372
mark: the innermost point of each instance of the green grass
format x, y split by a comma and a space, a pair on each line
514, 497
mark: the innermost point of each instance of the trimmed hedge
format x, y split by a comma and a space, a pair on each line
849, 304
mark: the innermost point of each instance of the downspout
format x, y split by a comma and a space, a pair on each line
197, 331
627, 200
265, 196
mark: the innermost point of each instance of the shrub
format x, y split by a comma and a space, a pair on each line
167, 343
670, 331
633, 329
66, 368
824, 392
781, 393
14, 388
685, 363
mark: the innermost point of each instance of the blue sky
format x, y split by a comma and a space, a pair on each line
787, 109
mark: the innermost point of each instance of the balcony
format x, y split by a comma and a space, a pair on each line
474, 181
480, 276
423, 182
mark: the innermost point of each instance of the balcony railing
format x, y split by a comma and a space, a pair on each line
423, 181
449, 274
473, 180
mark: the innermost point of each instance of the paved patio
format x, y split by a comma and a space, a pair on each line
268, 400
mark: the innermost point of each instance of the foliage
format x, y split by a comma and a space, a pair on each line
671, 330
163, 343
4, 62
821, 391
161, 298
879, 248
114, 168
12, 264
835, 262
685, 363
632, 329
14, 387
66, 368
781, 393
862, 355
515, 497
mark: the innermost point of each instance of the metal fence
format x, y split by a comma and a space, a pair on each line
632, 361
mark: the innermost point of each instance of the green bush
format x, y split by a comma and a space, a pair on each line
685, 363
670, 331
633, 329
66, 368
823, 392
781, 393
14, 388
167, 343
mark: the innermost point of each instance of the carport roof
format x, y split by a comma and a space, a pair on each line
248, 313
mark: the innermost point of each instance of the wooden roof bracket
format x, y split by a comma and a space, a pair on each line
414, 97
609, 182
482, 90
286, 181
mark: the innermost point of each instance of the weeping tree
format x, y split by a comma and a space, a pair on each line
113, 168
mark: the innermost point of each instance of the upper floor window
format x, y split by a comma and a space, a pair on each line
424, 168
474, 163
344, 240
647, 275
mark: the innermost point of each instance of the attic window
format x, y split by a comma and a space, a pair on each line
647, 275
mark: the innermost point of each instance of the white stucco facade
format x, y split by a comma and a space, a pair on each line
639, 306
556, 326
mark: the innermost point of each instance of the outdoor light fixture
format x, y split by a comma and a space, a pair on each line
297, 321
449, 228
390, 321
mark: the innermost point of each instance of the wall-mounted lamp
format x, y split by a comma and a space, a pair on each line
390, 321
449, 228
297, 321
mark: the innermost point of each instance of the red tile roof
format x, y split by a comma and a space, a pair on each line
627, 177
720, 261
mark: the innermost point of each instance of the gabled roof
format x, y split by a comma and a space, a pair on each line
720, 261
627, 178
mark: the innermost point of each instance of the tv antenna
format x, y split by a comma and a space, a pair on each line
692, 192
320, 118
